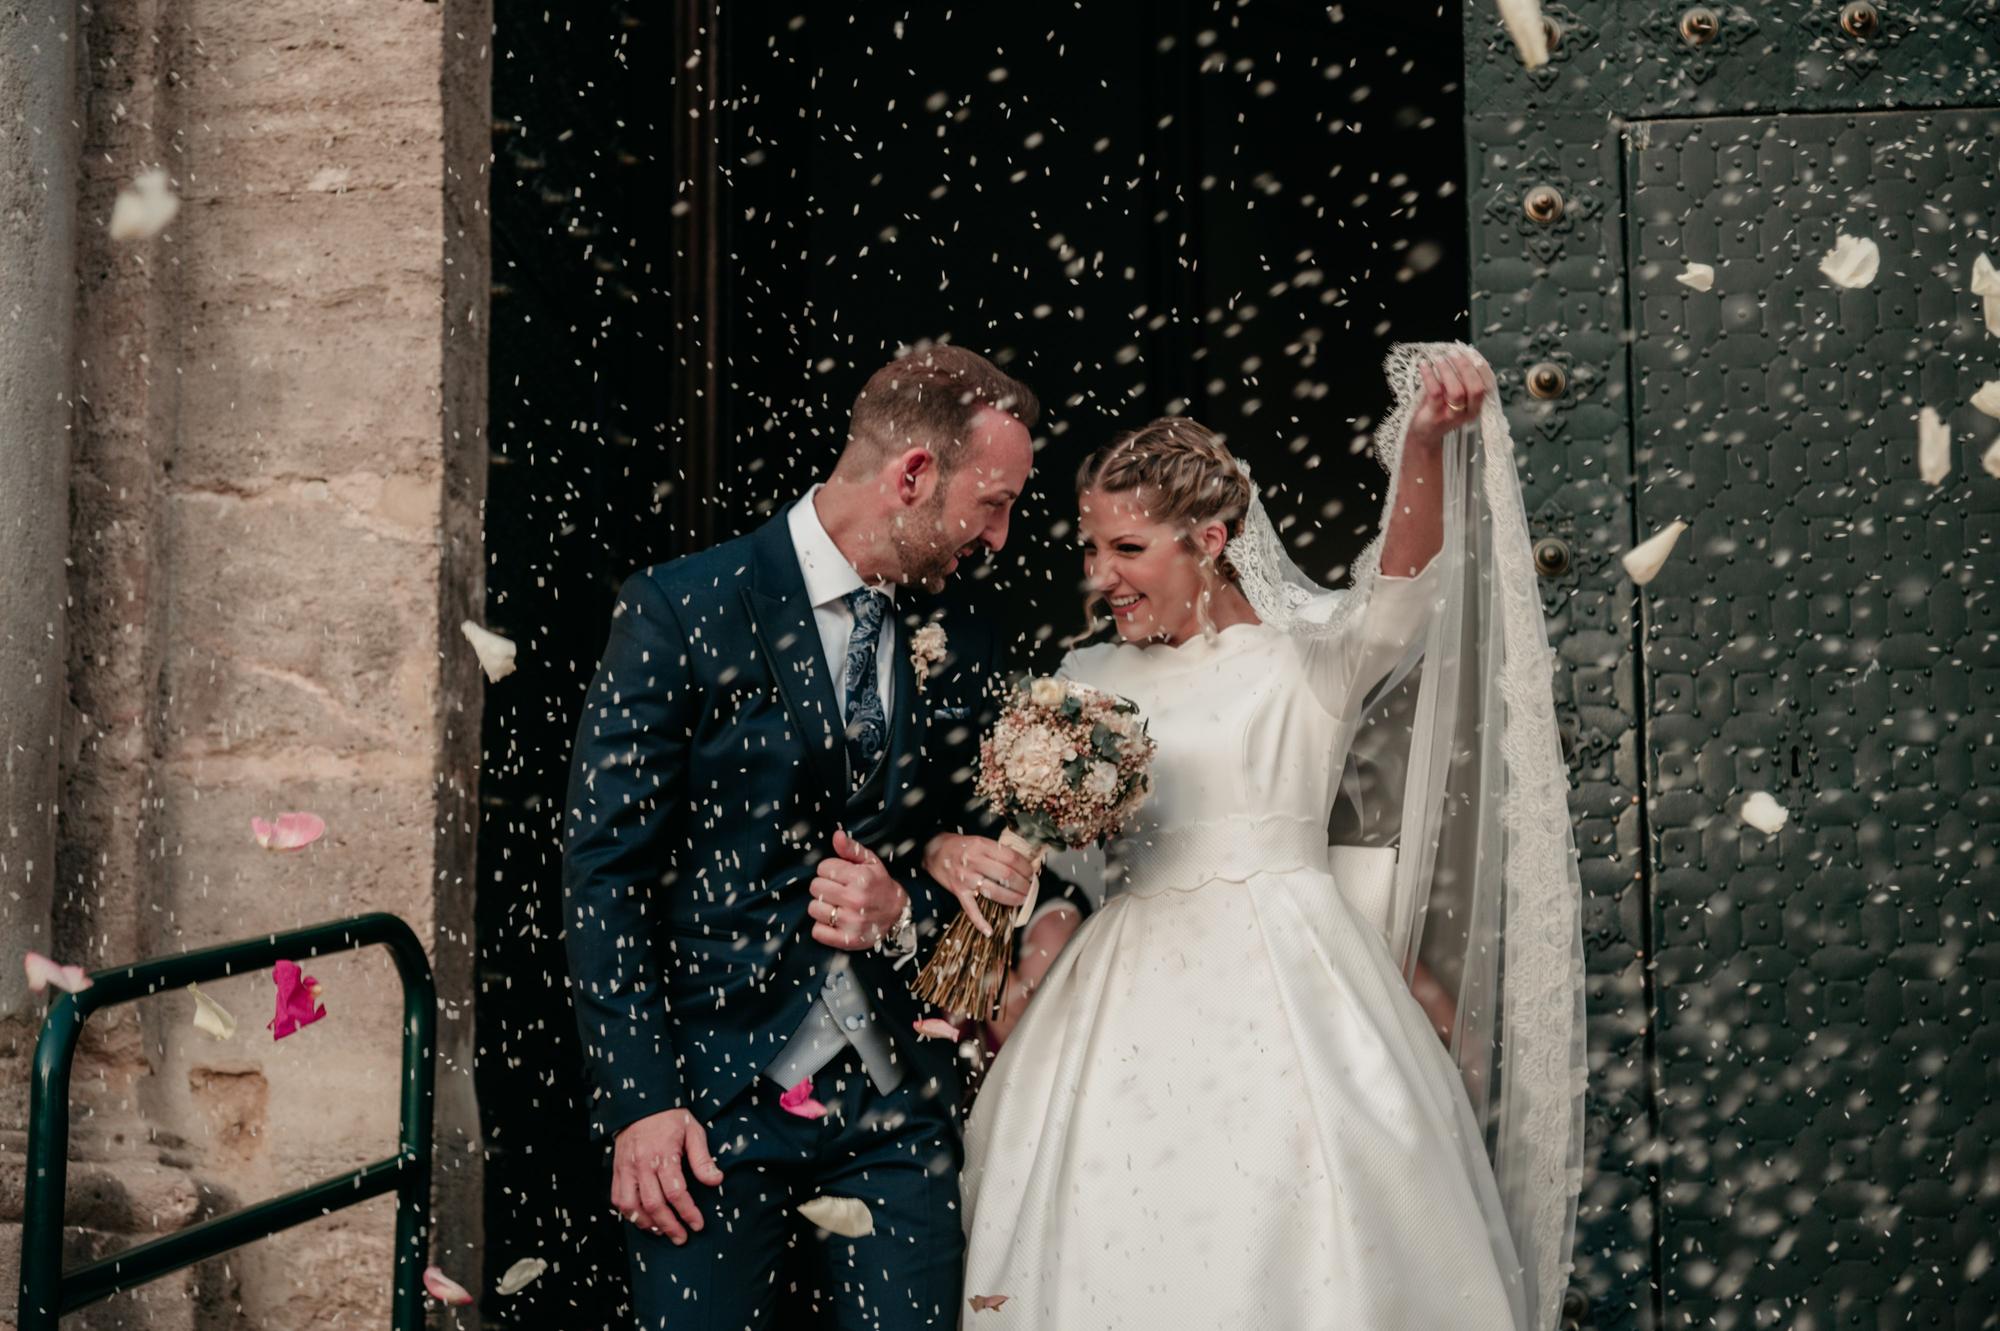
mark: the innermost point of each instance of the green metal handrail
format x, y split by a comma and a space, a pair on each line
47, 1291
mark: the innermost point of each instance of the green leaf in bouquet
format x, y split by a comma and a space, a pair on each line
1037, 826
1104, 742
1072, 706
1073, 771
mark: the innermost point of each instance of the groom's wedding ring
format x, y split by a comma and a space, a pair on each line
832, 916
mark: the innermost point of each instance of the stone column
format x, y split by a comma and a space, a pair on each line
38, 179
276, 482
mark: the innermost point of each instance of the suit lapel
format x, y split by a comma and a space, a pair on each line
782, 621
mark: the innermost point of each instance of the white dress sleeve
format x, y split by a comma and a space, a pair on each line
1344, 667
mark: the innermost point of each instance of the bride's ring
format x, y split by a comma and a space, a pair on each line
1456, 406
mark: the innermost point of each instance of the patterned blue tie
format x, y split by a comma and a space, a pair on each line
867, 727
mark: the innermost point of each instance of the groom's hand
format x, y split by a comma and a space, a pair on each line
855, 901
646, 1182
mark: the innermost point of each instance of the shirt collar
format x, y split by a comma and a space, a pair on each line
828, 574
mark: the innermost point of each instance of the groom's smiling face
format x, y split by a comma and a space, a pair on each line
968, 509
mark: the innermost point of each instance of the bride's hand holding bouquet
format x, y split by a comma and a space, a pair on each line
1064, 766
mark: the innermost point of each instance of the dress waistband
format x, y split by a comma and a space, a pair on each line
1188, 854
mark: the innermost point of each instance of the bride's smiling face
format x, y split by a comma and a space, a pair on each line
1147, 572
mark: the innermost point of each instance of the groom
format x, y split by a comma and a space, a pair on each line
764, 753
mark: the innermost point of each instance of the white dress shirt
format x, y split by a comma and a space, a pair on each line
829, 578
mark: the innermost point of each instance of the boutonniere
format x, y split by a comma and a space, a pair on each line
927, 647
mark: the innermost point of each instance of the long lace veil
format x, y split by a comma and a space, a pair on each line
1454, 761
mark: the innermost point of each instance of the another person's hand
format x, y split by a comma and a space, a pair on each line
1437, 1002
855, 902
1455, 389
971, 867
647, 1185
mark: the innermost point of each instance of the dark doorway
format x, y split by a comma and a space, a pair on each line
710, 227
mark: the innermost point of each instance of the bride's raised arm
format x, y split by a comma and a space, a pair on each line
1455, 388
1347, 666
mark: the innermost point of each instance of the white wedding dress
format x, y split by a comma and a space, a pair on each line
1224, 1108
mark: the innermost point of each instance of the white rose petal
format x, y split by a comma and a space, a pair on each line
521, 1275
1644, 561
496, 654
1933, 447
1987, 399
1524, 24
144, 207
1852, 261
211, 1017
1763, 813
1986, 286
1697, 277
848, 1217
1990, 459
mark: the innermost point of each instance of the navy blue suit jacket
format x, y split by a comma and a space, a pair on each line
706, 782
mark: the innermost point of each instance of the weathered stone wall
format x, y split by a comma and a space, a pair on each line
278, 468
37, 327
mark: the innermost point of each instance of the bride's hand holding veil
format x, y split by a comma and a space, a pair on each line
1455, 388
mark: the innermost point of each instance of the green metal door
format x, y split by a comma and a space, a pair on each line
1791, 1037
1825, 632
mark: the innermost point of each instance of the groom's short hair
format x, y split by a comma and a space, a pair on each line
929, 398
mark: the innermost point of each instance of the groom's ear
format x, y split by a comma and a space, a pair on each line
916, 476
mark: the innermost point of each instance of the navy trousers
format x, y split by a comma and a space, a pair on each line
900, 1153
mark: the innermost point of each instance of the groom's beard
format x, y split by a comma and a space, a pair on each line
923, 546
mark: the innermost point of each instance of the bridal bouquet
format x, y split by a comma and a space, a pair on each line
1065, 766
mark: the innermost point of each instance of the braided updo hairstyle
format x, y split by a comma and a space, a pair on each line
1189, 477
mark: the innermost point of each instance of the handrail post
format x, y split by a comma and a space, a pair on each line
413, 1193
47, 1291
48, 1168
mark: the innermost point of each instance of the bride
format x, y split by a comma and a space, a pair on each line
1229, 1103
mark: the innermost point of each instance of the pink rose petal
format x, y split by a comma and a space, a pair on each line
292, 831
937, 1028
298, 1000
988, 1302
799, 1100
444, 1289
42, 972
